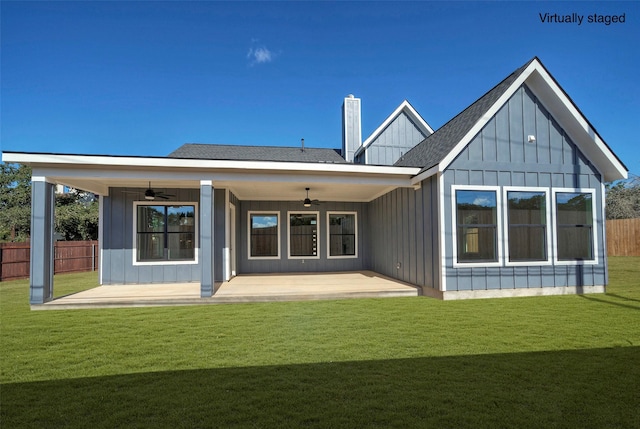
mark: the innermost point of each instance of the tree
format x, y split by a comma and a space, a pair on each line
15, 202
623, 199
76, 212
76, 216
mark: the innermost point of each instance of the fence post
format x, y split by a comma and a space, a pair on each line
1, 255
93, 256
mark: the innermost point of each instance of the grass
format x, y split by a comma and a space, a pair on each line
562, 361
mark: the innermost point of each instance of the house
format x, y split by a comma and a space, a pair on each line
505, 199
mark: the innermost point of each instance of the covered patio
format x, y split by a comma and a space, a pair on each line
240, 289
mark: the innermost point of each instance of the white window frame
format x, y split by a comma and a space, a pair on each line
454, 225
304, 212
550, 227
594, 226
268, 213
136, 204
329, 213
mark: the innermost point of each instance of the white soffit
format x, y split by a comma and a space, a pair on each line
114, 162
249, 180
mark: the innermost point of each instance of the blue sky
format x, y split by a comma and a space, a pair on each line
142, 78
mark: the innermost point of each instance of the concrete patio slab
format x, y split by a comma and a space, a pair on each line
240, 289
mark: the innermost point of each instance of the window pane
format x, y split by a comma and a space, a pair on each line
181, 219
264, 235
342, 234
303, 234
574, 243
574, 208
527, 208
527, 218
181, 246
477, 226
477, 244
150, 246
151, 218
165, 233
527, 243
574, 213
342, 245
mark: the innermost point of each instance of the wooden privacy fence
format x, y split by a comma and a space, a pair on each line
623, 237
69, 257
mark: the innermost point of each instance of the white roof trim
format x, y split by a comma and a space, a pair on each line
563, 110
576, 125
408, 109
426, 174
102, 161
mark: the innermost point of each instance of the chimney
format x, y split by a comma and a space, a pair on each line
351, 128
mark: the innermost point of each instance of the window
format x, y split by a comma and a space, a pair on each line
165, 233
476, 233
342, 235
574, 216
303, 235
264, 231
527, 230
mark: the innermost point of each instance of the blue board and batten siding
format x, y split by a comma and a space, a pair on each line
117, 256
402, 235
501, 155
284, 264
397, 139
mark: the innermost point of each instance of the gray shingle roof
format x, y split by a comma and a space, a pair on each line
437, 146
257, 153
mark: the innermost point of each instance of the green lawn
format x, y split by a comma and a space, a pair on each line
563, 361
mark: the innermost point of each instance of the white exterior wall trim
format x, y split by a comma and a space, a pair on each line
594, 226
305, 212
134, 246
332, 212
454, 226
279, 225
442, 228
549, 226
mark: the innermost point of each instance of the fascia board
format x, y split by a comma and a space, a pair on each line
576, 125
426, 174
410, 111
44, 159
563, 109
487, 116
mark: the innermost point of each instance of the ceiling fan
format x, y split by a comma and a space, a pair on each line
151, 195
308, 202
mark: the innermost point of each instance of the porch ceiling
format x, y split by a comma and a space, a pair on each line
276, 189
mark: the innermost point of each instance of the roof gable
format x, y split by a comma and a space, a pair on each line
404, 108
437, 151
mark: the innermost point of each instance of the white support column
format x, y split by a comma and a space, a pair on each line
207, 227
42, 226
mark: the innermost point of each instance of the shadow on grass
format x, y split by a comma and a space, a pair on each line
610, 302
625, 298
579, 388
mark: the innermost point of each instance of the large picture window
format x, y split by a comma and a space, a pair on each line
303, 235
476, 225
574, 214
527, 225
165, 233
342, 234
264, 235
